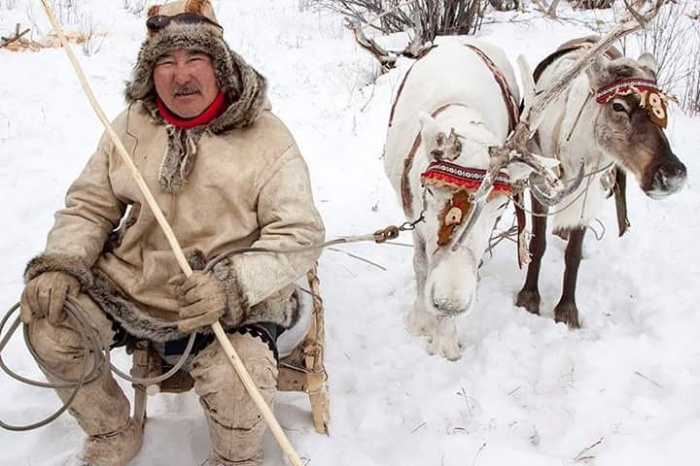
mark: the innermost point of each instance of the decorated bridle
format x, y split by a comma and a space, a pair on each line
466, 180
652, 98
463, 181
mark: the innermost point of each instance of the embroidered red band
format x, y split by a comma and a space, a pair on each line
651, 97
625, 86
463, 177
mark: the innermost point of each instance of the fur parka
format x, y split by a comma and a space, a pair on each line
235, 182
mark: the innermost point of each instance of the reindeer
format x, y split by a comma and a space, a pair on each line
611, 121
456, 101
456, 180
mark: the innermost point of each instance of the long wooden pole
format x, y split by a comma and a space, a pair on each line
182, 261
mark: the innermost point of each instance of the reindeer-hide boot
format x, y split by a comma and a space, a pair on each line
100, 406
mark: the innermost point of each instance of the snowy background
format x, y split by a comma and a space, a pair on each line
622, 390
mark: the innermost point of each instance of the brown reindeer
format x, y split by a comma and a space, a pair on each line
611, 119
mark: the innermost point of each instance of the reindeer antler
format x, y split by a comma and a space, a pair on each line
637, 21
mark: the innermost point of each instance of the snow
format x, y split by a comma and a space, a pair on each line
622, 390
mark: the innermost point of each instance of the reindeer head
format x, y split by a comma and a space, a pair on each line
630, 126
458, 159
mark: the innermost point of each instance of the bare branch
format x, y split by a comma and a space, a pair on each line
5, 41
546, 97
386, 59
552, 10
584, 455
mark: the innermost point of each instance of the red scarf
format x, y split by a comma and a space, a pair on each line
214, 110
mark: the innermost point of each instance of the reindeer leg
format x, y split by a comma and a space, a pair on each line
529, 295
418, 320
566, 310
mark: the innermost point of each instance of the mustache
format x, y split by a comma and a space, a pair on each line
185, 90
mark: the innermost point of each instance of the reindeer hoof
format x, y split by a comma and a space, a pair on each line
567, 313
446, 348
530, 300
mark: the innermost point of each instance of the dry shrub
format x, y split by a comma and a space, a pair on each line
592, 4
135, 7
425, 18
505, 5
8, 4
690, 100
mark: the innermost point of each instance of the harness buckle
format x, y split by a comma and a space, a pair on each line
388, 233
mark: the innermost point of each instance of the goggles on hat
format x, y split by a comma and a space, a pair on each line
158, 22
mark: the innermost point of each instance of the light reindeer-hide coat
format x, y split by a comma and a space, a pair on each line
248, 187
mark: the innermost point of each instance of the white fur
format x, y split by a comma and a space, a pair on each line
294, 336
450, 74
574, 136
577, 140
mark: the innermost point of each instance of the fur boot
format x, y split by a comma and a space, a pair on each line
100, 406
113, 449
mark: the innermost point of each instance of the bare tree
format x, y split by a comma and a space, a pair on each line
690, 100
422, 19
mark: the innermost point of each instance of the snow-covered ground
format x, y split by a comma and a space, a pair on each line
622, 390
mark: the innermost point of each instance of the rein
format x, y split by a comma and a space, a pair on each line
97, 355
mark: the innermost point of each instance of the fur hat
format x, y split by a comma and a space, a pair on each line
192, 24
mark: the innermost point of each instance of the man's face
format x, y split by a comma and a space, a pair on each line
185, 81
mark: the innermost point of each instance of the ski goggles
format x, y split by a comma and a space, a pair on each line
158, 22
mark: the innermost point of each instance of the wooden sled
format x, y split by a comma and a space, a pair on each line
301, 371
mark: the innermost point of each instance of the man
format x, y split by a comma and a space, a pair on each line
226, 174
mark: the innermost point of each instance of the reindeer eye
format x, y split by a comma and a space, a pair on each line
618, 107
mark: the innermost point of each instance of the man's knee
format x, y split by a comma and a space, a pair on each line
63, 345
217, 382
55, 342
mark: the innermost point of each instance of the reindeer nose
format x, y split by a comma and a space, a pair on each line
669, 178
449, 307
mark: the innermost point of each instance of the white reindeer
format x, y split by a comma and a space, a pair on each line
448, 112
610, 117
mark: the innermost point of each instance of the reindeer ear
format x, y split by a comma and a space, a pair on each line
453, 146
429, 125
598, 75
153, 10
648, 61
433, 138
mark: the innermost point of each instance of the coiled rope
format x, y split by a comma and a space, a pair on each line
97, 355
